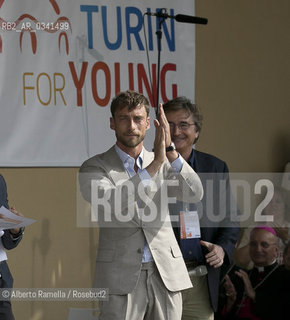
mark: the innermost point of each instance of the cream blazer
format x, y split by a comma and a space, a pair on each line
133, 212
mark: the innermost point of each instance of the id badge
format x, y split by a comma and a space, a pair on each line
189, 225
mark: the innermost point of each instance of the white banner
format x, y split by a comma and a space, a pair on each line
62, 61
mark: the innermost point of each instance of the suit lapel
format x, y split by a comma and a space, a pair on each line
115, 166
147, 159
195, 166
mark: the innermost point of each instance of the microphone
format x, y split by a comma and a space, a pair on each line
179, 17
190, 19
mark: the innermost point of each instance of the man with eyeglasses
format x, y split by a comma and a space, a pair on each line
211, 247
262, 292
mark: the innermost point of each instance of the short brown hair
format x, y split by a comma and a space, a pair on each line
182, 103
130, 99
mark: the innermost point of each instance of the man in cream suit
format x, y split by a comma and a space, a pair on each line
138, 259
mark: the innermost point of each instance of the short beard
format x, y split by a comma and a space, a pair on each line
132, 143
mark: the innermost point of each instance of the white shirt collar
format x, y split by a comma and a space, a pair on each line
125, 158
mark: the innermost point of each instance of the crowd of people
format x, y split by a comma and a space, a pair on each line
168, 247
178, 264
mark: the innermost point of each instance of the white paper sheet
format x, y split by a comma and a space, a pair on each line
9, 220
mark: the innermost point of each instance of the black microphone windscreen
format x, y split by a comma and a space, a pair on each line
190, 19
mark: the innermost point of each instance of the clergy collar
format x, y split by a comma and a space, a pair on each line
268, 267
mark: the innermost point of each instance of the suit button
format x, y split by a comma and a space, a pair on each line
139, 250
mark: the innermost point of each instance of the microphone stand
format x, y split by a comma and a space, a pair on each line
161, 18
162, 15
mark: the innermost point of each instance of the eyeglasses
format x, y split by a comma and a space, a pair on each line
182, 126
263, 244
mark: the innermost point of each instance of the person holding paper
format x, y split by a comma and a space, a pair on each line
206, 243
9, 240
138, 257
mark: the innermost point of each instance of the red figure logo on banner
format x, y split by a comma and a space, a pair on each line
28, 23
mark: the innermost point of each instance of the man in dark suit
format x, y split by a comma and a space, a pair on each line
214, 246
9, 240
